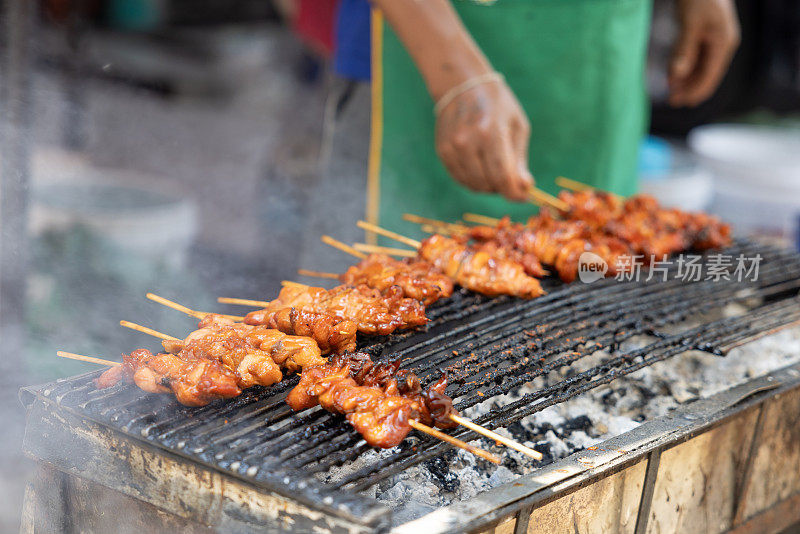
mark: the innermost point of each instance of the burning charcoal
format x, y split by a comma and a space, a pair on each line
609, 398
519, 432
510, 463
582, 422
547, 452
443, 476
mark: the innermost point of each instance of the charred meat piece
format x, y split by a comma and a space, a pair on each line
561, 244
194, 381
376, 399
477, 269
418, 279
372, 311
218, 360
647, 227
244, 348
331, 333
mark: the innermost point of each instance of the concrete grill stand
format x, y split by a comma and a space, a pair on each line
118, 460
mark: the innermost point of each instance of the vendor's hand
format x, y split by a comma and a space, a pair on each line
709, 37
482, 138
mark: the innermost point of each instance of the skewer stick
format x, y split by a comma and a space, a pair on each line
575, 185
497, 437
243, 302
328, 240
429, 229
145, 330
480, 219
388, 233
454, 441
541, 198
80, 357
188, 311
450, 227
317, 274
175, 306
385, 250
285, 283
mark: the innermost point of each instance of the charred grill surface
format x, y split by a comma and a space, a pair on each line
488, 346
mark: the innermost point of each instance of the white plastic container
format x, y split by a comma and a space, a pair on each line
145, 224
756, 173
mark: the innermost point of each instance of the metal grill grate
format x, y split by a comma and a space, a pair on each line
488, 347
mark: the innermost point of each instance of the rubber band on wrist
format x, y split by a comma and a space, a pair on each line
463, 87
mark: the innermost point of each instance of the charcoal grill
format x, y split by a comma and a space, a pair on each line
250, 463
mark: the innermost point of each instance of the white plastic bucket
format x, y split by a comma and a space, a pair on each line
756, 173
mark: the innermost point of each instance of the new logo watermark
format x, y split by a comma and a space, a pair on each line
687, 267
591, 267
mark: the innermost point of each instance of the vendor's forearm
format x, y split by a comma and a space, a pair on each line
441, 47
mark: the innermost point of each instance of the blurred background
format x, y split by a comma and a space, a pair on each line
174, 146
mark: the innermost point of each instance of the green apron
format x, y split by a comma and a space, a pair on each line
576, 66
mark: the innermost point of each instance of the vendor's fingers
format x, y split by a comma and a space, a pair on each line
463, 161
521, 136
501, 162
448, 156
686, 52
714, 60
684, 62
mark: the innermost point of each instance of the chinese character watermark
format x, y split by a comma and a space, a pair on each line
686, 267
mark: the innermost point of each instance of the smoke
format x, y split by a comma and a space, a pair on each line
113, 185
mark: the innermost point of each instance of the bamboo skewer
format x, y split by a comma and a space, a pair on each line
285, 283
328, 240
450, 227
90, 359
430, 229
486, 432
179, 307
317, 274
389, 251
539, 197
145, 330
508, 442
454, 441
388, 233
575, 185
243, 302
480, 219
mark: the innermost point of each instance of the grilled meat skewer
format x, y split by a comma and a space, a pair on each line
195, 381
418, 279
478, 269
218, 360
376, 399
554, 242
372, 311
648, 227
